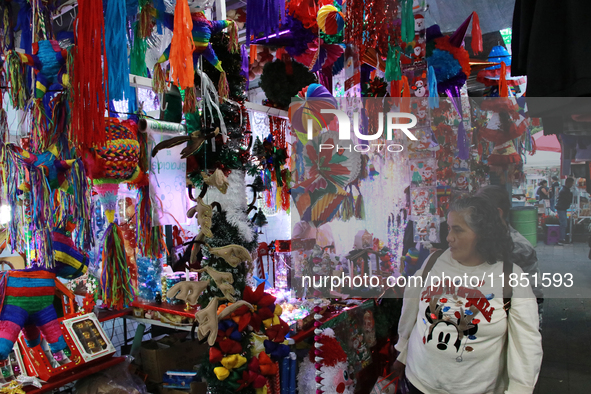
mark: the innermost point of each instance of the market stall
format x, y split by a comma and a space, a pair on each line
182, 165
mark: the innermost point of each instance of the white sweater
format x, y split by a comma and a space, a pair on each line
450, 345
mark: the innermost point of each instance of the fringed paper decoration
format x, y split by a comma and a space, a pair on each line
393, 70
433, 96
115, 278
88, 99
116, 47
181, 47
269, 14
476, 34
407, 28
137, 58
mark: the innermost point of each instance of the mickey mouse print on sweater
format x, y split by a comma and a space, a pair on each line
462, 309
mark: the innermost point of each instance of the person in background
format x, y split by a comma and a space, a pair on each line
563, 203
554, 192
457, 337
543, 195
523, 253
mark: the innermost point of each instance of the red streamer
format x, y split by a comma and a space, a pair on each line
88, 91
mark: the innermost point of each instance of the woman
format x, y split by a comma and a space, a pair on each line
457, 338
543, 194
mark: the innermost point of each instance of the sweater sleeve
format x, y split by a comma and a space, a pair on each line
524, 348
408, 317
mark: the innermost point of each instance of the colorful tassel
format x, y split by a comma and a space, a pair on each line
16, 77
88, 98
233, 46
476, 34
158, 79
223, 87
116, 285
407, 28
146, 25
393, 70
433, 96
359, 208
190, 103
116, 47
181, 47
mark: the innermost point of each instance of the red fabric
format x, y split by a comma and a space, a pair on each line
29, 291
503, 160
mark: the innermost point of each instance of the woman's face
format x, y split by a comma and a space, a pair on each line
462, 240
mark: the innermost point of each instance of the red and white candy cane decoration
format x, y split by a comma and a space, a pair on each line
317, 346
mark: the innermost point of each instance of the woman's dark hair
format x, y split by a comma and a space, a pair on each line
542, 182
498, 196
493, 241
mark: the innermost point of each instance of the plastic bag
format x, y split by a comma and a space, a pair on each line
115, 380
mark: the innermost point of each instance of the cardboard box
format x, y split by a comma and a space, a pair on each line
196, 388
157, 357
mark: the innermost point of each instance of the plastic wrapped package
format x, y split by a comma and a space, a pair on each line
115, 380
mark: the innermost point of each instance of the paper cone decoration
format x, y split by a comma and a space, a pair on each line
107, 194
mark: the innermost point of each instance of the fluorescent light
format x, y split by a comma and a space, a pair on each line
5, 214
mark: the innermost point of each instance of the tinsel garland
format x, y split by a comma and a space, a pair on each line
116, 48
137, 57
224, 234
279, 128
115, 278
88, 98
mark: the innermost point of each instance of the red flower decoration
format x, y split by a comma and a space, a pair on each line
215, 355
264, 305
249, 377
277, 332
